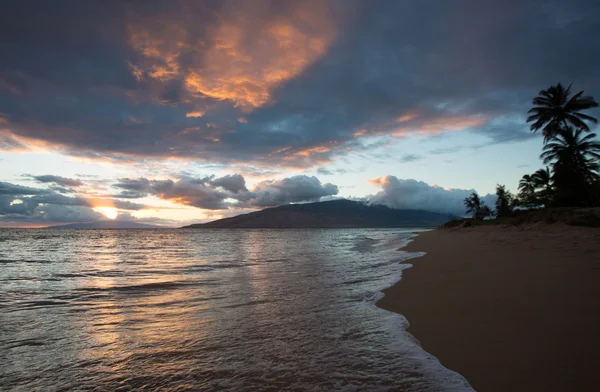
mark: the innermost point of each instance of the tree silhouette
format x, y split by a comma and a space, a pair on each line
527, 194
504, 201
476, 206
574, 157
542, 180
484, 212
555, 109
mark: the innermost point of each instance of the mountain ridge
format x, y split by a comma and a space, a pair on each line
329, 214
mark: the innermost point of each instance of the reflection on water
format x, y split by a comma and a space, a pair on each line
206, 310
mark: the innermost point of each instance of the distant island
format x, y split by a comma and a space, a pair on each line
106, 224
329, 214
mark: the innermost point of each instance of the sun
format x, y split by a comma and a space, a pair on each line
109, 212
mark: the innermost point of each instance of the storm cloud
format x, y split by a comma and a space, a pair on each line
293, 85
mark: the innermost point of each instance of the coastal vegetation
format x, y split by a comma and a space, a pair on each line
571, 153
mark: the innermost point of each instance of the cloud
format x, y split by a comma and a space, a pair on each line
229, 191
448, 150
10, 143
331, 172
289, 190
58, 180
407, 158
195, 192
234, 183
127, 217
7, 188
418, 195
26, 204
61, 213
311, 80
48, 214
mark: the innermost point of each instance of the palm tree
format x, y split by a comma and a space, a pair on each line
542, 179
476, 206
574, 157
526, 184
503, 201
554, 109
572, 147
527, 191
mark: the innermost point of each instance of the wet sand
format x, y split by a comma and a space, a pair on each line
509, 308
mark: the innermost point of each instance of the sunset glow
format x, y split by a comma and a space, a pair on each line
181, 114
109, 212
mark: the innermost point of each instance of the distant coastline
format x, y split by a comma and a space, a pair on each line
106, 225
330, 214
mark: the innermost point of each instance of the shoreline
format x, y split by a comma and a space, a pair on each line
510, 308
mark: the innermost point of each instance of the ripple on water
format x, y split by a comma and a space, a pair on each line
208, 310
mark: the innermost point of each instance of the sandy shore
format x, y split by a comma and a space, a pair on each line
510, 308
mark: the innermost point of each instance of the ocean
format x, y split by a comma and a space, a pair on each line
207, 310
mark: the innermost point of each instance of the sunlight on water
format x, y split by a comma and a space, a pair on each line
206, 310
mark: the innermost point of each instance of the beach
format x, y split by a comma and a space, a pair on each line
511, 308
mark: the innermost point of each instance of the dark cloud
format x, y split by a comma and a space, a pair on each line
26, 204
234, 183
413, 194
50, 214
7, 188
58, 180
196, 192
300, 83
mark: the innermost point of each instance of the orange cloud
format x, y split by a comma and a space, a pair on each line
195, 114
407, 117
439, 125
312, 151
379, 181
12, 143
244, 60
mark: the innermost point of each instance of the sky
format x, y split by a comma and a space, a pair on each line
176, 112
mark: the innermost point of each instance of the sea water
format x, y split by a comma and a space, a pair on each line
207, 310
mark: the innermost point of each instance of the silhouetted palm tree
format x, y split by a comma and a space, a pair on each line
474, 204
527, 184
574, 157
572, 147
527, 191
542, 179
504, 201
555, 109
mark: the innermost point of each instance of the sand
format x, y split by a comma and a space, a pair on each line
509, 308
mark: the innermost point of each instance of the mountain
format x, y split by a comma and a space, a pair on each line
107, 224
330, 214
